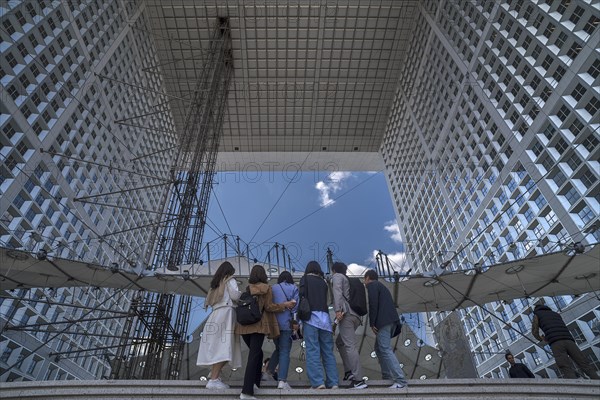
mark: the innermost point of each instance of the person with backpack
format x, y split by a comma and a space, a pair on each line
384, 320
219, 345
253, 334
347, 321
284, 290
318, 330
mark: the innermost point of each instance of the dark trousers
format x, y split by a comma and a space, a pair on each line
566, 351
253, 372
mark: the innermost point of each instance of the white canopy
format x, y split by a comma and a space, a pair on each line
546, 275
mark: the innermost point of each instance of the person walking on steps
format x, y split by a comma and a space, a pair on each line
283, 290
254, 334
383, 319
347, 322
318, 330
219, 344
561, 342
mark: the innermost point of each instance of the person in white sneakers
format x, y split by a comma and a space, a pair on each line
347, 322
283, 290
219, 343
254, 334
383, 319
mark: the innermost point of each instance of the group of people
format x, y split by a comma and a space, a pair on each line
221, 343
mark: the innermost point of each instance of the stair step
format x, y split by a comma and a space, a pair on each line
441, 389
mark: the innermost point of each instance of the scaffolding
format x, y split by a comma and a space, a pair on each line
155, 330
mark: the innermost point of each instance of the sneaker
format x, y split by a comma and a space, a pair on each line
398, 386
335, 387
246, 396
359, 384
216, 384
267, 376
320, 387
348, 376
256, 388
284, 385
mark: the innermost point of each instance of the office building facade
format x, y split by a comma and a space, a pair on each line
82, 114
491, 153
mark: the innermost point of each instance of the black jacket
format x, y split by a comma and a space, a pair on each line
519, 370
314, 288
552, 324
382, 310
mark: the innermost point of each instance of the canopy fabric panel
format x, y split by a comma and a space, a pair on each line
546, 275
443, 290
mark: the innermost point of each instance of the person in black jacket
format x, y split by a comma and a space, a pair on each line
383, 318
517, 370
561, 342
318, 330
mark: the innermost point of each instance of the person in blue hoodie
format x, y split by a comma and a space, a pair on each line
284, 290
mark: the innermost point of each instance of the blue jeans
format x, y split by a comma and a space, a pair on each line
319, 346
281, 355
390, 367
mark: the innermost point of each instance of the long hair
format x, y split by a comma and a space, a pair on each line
225, 270
286, 277
313, 267
258, 274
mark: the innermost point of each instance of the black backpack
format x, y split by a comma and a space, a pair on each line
247, 311
358, 296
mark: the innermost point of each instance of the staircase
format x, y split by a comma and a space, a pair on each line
438, 389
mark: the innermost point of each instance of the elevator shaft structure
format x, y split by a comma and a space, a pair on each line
159, 322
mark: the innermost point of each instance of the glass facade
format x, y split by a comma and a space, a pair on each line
492, 151
73, 75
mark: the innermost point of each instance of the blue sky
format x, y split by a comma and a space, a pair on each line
351, 213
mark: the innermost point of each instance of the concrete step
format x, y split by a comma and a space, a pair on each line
440, 389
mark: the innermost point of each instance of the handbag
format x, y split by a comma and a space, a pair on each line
304, 309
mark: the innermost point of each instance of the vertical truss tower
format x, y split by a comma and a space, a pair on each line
158, 323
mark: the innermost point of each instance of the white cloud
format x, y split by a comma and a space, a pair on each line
356, 270
331, 185
392, 227
397, 261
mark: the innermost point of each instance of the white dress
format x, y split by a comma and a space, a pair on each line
219, 341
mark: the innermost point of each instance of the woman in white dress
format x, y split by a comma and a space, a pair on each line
219, 343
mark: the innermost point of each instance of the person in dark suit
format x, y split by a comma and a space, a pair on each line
383, 319
517, 370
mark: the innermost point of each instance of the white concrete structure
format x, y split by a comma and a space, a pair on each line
484, 115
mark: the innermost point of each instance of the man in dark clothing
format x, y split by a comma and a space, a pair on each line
518, 370
561, 342
383, 318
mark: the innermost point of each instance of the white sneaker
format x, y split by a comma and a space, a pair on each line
216, 384
398, 386
246, 396
284, 385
